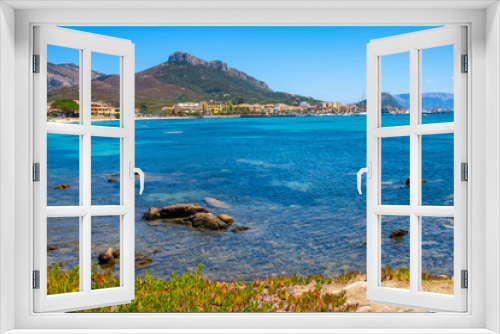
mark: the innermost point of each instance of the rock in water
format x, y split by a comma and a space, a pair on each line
107, 256
206, 221
239, 229
51, 248
152, 213
62, 186
226, 218
112, 180
407, 182
216, 203
398, 234
142, 260
181, 210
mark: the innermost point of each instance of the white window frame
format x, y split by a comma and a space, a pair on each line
484, 238
85, 44
414, 43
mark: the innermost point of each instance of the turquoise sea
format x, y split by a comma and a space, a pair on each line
292, 180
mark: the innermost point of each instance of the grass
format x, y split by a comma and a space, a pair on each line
191, 292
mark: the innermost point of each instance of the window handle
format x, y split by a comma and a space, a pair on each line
138, 171
141, 178
368, 171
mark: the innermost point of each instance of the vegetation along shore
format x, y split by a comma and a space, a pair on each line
191, 292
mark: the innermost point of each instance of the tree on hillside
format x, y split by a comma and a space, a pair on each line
67, 105
239, 100
143, 107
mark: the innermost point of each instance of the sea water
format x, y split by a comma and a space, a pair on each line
291, 180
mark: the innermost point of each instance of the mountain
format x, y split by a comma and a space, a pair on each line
387, 101
66, 75
429, 100
185, 58
182, 78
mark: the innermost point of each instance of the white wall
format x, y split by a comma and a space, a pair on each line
7, 160
493, 162
278, 17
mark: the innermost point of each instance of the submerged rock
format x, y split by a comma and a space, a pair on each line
407, 182
206, 221
216, 203
239, 229
398, 234
142, 260
62, 186
51, 248
226, 218
112, 180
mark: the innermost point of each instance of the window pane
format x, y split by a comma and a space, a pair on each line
395, 97
63, 249
437, 103
105, 252
105, 94
63, 170
395, 255
437, 254
63, 84
395, 171
438, 169
105, 171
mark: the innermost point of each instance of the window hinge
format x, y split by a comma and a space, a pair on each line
36, 172
465, 64
464, 171
465, 279
36, 63
36, 279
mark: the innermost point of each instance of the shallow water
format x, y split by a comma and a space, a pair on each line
291, 180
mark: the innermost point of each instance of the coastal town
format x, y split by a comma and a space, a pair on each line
67, 109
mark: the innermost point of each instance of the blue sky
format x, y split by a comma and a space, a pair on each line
327, 63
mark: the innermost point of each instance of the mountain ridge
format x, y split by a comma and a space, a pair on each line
184, 57
183, 77
429, 100
402, 101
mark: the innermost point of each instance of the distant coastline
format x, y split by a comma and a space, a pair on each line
73, 120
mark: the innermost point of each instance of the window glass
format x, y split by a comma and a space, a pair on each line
63, 84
